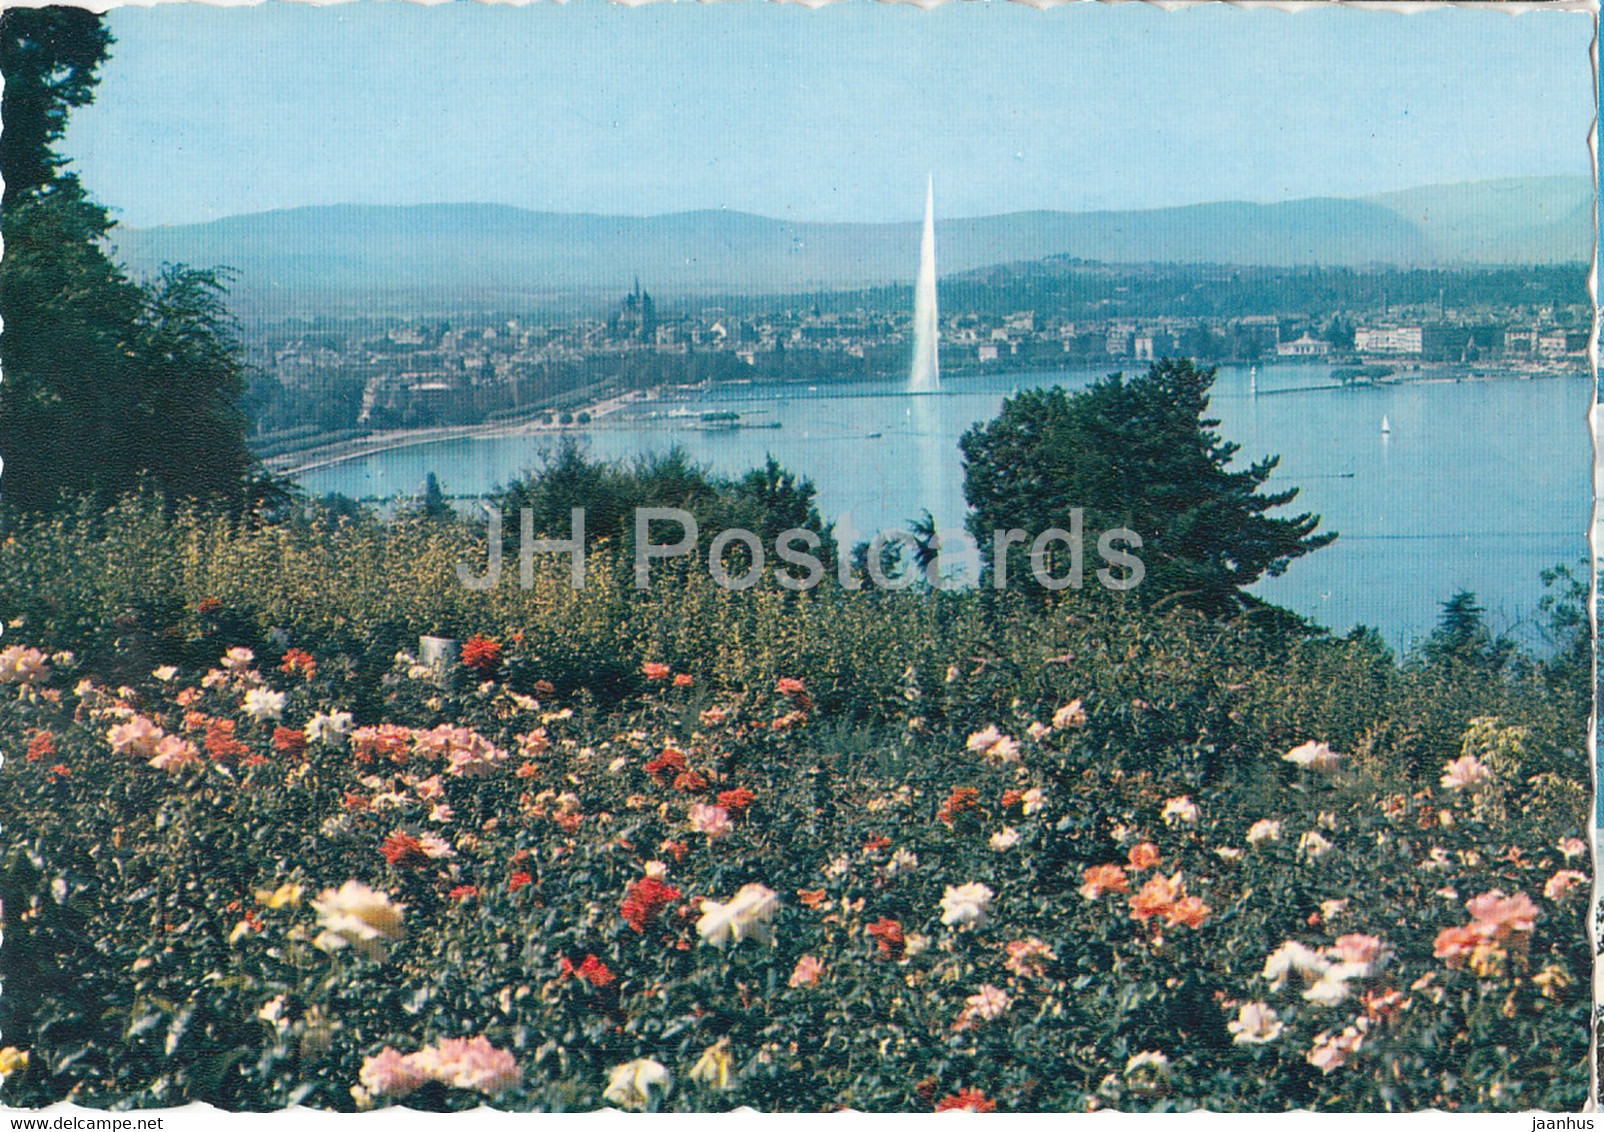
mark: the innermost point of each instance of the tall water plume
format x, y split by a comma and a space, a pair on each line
925, 373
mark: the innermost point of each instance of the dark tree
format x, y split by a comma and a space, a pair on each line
1462, 636
1138, 454
49, 57
107, 382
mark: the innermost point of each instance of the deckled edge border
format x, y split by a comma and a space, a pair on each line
1401, 7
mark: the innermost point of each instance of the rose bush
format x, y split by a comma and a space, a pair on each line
921, 852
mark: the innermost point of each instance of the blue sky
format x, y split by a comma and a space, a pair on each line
834, 114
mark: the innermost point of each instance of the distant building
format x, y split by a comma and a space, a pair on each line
1520, 340
1307, 346
1389, 340
1551, 343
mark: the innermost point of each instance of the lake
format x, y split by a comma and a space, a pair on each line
1479, 485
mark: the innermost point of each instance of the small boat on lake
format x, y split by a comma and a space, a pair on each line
1386, 425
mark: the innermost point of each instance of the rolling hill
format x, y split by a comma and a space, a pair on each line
378, 254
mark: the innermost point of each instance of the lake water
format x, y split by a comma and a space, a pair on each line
1479, 485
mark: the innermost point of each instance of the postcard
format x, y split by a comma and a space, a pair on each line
797, 558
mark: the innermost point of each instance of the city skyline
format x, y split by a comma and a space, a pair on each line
596, 108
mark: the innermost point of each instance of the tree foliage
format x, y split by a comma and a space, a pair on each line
765, 501
49, 57
108, 381
1138, 454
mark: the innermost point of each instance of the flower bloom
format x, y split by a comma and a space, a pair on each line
21, 664
1355, 948
221, 746
737, 800
391, 1073
1156, 897
1070, 715
1293, 956
653, 670
41, 746
288, 741
1103, 878
888, 935
1560, 884
468, 754
136, 738
1149, 1062
807, 972
1255, 1024
463, 892
1005, 838
482, 654
517, 880
994, 745
1332, 986
1143, 856
901, 861
262, 704
166, 673
403, 850
462, 1063
711, 820
630, 1084
1028, 958
690, 782
357, 916
298, 660
989, 1004
1329, 1053
1313, 756
238, 659
1314, 844
1180, 810
749, 915
174, 753
966, 1100
1265, 829
1454, 945
1188, 911
644, 899
1572, 847
961, 800
328, 729
669, 760
713, 1067
965, 904
1495, 915
789, 686
591, 969
12, 1060
1467, 770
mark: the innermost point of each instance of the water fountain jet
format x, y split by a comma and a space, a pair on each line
925, 374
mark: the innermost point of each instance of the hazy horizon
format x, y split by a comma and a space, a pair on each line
828, 116
911, 222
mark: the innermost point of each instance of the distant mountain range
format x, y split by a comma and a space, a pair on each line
504, 254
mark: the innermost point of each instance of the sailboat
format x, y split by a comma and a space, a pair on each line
1386, 425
